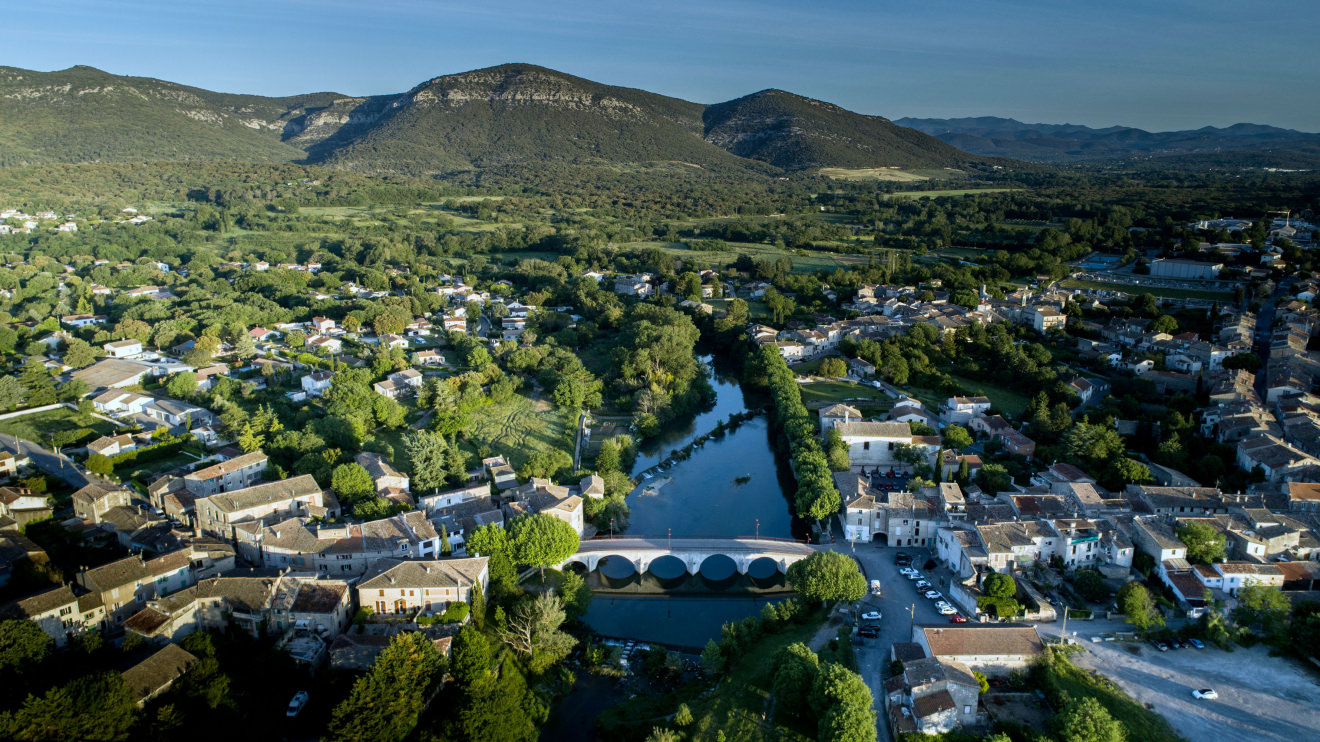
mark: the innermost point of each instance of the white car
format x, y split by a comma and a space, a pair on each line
871, 616
945, 609
1206, 694
933, 595
296, 705
914, 575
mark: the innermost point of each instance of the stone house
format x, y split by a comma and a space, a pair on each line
427, 586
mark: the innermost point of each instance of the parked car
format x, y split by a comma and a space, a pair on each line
869, 631
871, 616
906, 571
932, 595
875, 587
945, 609
902, 559
923, 585
296, 704
1159, 645
914, 575
1196, 643
957, 618
1176, 643
1205, 694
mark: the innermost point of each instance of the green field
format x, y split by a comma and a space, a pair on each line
948, 192
39, 426
1073, 283
839, 391
520, 429
1003, 398
803, 261
891, 174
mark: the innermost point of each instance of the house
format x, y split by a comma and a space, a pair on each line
479, 492
305, 602
1237, 575
82, 320
837, 413
218, 514
112, 445
992, 649
121, 404
900, 518
316, 383
423, 586
1083, 388
322, 325
383, 474
92, 502
319, 343
54, 611
342, 550
400, 384
125, 585
235, 474
112, 373
874, 444
178, 416
1303, 497
961, 410
123, 348
23, 505
428, 357
638, 285
154, 675
261, 334
500, 472
933, 696
391, 342
11, 463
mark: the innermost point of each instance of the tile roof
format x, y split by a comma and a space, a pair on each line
226, 467
158, 670
959, 640
394, 573
283, 490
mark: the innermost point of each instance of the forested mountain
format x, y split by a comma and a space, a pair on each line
993, 136
793, 132
85, 115
515, 114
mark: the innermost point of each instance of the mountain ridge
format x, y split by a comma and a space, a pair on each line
508, 114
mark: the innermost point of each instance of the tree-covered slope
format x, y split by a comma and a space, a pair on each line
83, 114
795, 133
521, 113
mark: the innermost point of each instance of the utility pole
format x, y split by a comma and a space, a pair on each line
1064, 635
912, 619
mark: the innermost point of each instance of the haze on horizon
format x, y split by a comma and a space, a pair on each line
1159, 66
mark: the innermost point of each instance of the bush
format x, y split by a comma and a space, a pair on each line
455, 613
1001, 607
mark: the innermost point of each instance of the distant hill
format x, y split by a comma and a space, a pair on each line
793, 133
85, 115
510, 115
1001, 137
520, 113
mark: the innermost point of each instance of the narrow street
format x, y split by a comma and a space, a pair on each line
56, 465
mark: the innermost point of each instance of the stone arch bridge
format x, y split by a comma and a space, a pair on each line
643, 550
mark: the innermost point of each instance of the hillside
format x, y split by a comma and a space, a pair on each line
795, 133
85, 115
506, 116
521, 114
1001, 137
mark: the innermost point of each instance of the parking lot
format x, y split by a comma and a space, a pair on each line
1260, 697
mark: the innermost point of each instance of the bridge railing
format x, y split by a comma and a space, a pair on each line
626, 536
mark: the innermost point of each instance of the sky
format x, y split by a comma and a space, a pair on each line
1155, 64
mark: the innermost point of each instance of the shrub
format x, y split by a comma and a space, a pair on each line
455, 613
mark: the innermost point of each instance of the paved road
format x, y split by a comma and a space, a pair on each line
1260, 697
59, 466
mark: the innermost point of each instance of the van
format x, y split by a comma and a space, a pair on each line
875, 587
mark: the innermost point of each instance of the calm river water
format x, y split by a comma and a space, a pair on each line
703, 499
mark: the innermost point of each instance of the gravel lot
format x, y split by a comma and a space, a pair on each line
1260, 697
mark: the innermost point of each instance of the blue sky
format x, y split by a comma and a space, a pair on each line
1156, 64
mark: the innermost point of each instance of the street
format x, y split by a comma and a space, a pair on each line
56, 465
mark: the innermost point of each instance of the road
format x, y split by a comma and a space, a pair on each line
899, 606
56, 465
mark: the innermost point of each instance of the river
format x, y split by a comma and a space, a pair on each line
704, 497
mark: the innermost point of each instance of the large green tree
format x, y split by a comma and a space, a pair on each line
492, 540
827, 576
541, 540
99, 707
1139, 607
1265, 605
385, 704
23, 645
796, 669
426, 451
1205, 544
999, 585
1086, 720
533, 631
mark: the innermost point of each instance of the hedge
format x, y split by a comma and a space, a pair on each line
156, 451
817, 497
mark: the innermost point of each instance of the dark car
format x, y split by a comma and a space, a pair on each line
903, 559
1159, 645
869, 631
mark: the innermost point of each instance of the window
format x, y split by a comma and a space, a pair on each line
891, 445
866, 446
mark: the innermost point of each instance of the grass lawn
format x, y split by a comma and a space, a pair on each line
756, 308
1141, 723
839, 391
38, 426
1008, 400
1073, 283
519, 429
143, 471
871, 173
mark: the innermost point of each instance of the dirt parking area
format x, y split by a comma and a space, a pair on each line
1260, 697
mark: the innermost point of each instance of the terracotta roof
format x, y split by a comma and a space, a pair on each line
158, 670
1309, 491
960, 640
933, 703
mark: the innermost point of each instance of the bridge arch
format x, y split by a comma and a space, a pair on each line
713, 563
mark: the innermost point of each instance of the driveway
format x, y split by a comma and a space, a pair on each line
1260, 697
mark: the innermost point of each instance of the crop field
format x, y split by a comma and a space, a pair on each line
39, 426
519, 429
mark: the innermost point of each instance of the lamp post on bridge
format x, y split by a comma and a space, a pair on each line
670, 541
758, 529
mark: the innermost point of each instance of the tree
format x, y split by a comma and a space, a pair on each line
999, 585
1205, 544
661, 734
836, 451
472, 658
957, 437
245, 347
843, 701
101, 465
1090, 584
12, 393
426, 451
1265, 605
79, 353
541, 540
995, 478
182, 385
1086, 720
1164, 323
982, 681
94, 707
351, 482
250, 440
23, 645
827, 576
385, 703
576, 594
796, 670
712, 658
1139, 607
1124, 471
492, 540
833, 368
533, 631
683, 717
